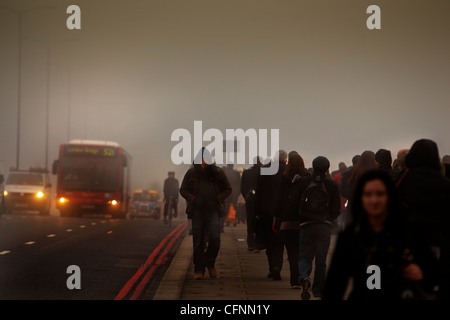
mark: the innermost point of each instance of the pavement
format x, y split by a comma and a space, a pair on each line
242, 274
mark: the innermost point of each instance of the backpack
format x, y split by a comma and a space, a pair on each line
314, 202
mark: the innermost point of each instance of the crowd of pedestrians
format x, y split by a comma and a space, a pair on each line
391, 215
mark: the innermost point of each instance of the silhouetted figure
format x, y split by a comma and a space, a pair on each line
248, 190
205, 186
425, 192
267, 191
287, 220
171, 192
380, 235
318, 204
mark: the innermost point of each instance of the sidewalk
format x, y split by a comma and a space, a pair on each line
242, 275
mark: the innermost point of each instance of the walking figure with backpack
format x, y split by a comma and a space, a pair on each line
318, 201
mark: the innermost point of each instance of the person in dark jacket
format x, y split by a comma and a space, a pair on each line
287, 220
380, 235
315, 225
205, 187
425, 192
171, 192
248, 187
267, 191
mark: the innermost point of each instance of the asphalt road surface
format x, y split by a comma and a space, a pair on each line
121, 259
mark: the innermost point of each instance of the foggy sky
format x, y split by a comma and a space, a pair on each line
141, 69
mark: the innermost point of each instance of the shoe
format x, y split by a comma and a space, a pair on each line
212, 272
276, 274
305, 285
198, 276
295, 286
270, 275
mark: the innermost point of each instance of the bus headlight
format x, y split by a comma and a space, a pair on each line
40, 194
62, 200
114, 202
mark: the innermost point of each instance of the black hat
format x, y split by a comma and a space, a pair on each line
321, 164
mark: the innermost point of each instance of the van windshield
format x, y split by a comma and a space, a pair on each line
33, 179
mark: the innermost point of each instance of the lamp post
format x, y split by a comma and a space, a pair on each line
48, 46
19, 14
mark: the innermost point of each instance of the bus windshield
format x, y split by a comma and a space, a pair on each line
89, 174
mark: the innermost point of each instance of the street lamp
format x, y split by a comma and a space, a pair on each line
19, 14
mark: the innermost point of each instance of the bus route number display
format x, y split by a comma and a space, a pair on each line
90, 151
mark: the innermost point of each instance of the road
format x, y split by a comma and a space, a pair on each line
119, 259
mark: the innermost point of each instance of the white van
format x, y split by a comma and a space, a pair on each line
28, 190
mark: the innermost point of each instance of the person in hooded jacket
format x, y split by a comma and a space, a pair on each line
315, 225
380, 235
205, 187
425, 194
287, 220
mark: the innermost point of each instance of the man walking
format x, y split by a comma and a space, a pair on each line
318, 204
205, 187
171, 187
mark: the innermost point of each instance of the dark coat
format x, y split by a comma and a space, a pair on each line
286, 210
189, 186
267, 191
425, 191
355, 251
249, 179
346, 187
171, 188
333, 193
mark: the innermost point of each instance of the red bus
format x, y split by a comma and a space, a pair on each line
92, 177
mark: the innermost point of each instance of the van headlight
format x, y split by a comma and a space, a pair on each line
40, 194
5, 193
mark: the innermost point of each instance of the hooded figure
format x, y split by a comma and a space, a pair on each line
425, 193
205, 187
204, 166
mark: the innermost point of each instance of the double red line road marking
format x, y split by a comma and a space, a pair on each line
172, 237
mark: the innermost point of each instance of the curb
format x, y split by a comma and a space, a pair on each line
172, 283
